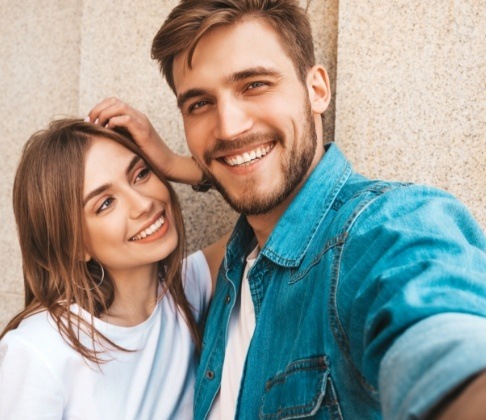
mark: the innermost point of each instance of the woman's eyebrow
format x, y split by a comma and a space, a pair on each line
95, 192
104, 187
132, 164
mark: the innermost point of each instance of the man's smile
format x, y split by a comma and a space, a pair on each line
249, 156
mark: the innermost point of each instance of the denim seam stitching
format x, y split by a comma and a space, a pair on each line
336, 327
320, 363
298, 275
346, 173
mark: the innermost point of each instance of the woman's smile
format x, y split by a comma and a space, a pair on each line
154, 231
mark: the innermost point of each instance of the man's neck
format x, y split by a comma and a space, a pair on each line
264, 224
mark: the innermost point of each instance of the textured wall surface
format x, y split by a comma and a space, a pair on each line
408, 93
39, 79
411, 101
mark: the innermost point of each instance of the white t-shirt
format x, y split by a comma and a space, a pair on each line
42, 377
240, 331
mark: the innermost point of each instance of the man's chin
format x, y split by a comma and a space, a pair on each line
252, 204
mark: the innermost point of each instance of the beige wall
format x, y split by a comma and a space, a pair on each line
39, 78
410, 104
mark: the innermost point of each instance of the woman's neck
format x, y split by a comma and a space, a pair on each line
135, 297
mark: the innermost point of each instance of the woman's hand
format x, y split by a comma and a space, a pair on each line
112, 112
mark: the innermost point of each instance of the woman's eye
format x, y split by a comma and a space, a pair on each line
106, 203
144, 173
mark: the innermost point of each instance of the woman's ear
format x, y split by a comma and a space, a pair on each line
319, 89
87, 256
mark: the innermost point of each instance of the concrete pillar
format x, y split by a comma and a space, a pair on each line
411, 85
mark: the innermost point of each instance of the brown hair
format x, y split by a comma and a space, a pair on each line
192, 19
48, 208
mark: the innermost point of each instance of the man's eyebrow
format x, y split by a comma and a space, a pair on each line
104, 187
235, 77
185, 96
253, 72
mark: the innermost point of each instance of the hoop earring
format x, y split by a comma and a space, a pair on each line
102, 275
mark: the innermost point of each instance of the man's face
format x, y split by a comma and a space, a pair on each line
247, 116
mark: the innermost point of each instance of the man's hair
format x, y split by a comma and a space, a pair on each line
190, 20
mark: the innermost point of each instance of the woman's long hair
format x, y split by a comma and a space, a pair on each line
48, 208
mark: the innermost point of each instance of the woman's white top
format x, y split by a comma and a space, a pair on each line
42, 377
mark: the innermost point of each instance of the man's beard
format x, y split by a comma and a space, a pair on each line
296, 162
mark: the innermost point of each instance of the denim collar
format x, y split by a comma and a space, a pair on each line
294, 231
290, 239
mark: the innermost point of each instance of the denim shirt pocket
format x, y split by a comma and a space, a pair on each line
300, 391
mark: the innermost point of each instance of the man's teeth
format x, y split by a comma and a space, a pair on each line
154, 227
248, 156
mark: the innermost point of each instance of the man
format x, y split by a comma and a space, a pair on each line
339, 297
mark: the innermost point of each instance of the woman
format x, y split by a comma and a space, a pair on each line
111, 321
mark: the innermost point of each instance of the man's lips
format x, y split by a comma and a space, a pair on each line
224, 150
247, 156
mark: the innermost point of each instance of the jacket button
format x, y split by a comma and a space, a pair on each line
209, 374
228, 298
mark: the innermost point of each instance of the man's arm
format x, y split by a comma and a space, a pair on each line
468, 403
421, 264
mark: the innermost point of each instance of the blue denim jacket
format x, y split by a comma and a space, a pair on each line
370, 301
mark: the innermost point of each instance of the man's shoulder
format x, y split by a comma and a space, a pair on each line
384, 196
365, 205
357, 194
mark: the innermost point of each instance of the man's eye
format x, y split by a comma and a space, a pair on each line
197, 105
107, 203
256, 85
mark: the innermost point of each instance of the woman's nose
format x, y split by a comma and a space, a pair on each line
138, 203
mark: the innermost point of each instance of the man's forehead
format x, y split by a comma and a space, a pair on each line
229, 49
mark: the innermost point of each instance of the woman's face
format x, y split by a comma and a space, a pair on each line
128, 215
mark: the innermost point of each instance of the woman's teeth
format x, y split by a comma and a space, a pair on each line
154, 227
248, 157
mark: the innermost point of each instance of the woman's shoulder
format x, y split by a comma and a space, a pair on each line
31, 367
37, 335
34, 328
195, 269
196, 278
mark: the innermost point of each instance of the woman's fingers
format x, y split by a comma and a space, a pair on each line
112, 107
112, 112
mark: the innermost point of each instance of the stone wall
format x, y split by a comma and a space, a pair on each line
408, 80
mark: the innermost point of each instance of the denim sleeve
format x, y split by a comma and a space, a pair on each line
412, 297
428, 361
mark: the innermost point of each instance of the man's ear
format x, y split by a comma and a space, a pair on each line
319, 89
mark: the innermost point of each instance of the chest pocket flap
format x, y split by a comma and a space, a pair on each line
298, 391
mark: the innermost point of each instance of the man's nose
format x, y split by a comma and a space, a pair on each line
234, 119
